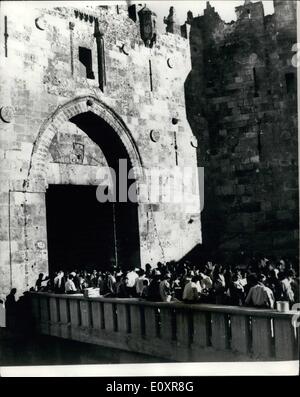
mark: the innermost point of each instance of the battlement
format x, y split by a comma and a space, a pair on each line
249, 10
250, 19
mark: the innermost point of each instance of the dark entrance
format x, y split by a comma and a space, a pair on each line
83, 233
80, 230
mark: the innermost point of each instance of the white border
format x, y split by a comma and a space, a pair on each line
281, 368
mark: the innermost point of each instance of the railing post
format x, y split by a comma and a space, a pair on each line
285, 340
123, 320
201, 329
150, 322
166, 323
183, 331
219, 331
135, 316
261, 337
97, 315
85, 313
54, 317
45, 315
64, 317
109, 316
74, 313
240, 333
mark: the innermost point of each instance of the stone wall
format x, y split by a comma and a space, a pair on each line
242, 105
57, 63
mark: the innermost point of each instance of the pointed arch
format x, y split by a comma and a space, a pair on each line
36, 177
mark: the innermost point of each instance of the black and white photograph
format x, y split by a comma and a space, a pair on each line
149, 189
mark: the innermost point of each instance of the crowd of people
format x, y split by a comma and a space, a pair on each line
260, 284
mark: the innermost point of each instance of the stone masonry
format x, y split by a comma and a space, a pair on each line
241, 99
58, 63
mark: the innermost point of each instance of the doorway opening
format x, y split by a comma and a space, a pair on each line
83, 233
80, 230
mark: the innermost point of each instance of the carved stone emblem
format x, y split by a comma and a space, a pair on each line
77, 155
40, 245
7, 113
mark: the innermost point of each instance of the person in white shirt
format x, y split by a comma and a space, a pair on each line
59, 283
132, 276
286, 286
191, 291
70, 286
206, 281
131, 279
260, 295
139, 285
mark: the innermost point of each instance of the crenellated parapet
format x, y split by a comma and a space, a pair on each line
172, 22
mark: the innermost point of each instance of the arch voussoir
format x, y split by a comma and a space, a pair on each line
63, 114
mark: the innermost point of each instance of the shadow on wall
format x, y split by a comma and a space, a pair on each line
197, 115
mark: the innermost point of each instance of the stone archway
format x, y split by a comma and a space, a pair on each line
31, 202
36, 178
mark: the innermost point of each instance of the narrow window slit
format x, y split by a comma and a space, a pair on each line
71, 26
256, 86
176, 148
150, 75
5, 37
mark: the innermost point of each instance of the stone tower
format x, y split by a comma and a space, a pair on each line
242, 105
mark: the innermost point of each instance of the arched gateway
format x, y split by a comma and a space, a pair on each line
72, 111
74, 229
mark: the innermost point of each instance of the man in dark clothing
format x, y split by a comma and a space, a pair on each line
40, 284
11, 309
153, 289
